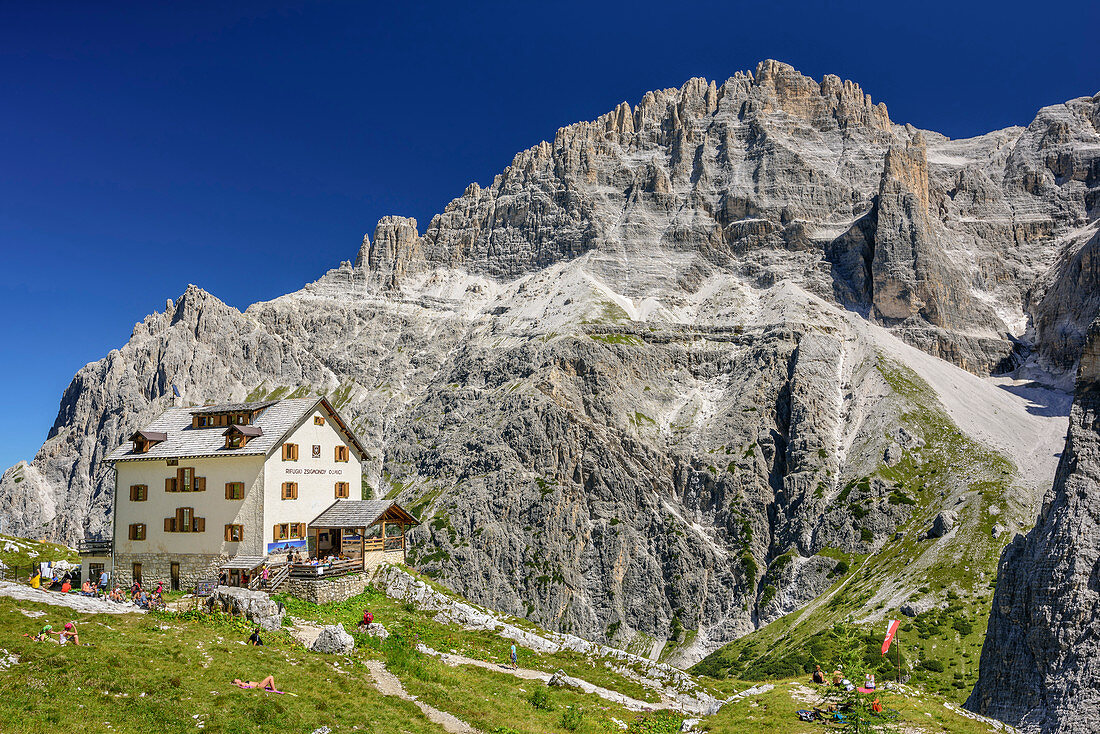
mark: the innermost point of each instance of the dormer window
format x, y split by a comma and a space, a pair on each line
236, 437
145, 440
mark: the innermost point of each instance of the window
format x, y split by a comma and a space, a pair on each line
316, 451
290, 452
139, 492
342, 489
290, 491
185, 481
341, 453
234, 533
185, 522
173, 462
233, 441
318, 420
137, 531
289, 531
234, 490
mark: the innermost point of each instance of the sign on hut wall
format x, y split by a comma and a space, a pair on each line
286, 546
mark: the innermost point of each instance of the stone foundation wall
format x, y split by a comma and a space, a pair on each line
158, 567
322, 591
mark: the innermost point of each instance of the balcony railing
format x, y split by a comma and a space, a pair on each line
90, 546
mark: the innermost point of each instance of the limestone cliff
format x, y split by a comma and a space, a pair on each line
1040, 666
646, 362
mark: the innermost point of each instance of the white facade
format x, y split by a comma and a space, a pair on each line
181, 558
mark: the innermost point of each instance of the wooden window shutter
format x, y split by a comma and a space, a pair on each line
294, 451
274, 532
294, 490
200, 484
230, 491
227, 527
170, 484
169, 524
200, 524
301, 530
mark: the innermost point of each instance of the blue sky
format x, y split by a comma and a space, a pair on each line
247, 147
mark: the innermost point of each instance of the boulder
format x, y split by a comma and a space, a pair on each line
943, 524
375, 629
333, 640
256, 606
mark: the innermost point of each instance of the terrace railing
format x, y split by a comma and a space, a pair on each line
335, 568
93, 546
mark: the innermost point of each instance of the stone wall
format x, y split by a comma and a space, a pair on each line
158, 567
322, 591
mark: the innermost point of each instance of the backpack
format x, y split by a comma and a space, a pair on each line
805, 715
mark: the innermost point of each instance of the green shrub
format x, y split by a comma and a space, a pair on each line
963, 626
572, 718
866, 535
936, 666
539, 698
658, 722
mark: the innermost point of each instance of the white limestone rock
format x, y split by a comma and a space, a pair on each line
333, 640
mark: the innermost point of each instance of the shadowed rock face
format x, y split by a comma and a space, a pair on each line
631, 373
1040, 666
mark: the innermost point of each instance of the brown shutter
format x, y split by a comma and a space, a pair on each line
168, 524
284, 452
227, 532
274, 532
200, 484
294, 490
200, 524
301, 530
170, 484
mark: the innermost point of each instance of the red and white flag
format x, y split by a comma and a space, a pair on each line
891, 630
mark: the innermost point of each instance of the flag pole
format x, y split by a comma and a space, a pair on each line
898, 640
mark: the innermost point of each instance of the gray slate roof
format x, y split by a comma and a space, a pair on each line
354, 513
230, 407
185, 441
244, 563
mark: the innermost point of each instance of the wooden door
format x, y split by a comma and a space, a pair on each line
137, 572
175, 572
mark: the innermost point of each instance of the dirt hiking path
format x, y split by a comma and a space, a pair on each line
389, 685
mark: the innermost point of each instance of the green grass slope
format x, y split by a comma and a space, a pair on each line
173, 672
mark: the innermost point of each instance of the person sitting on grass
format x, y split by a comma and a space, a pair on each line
838, 676
66, 586
254, 638
819, 675
86, 588
69, 633
44, 634
267, 684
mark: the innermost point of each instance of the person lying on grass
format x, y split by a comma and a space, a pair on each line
267, 684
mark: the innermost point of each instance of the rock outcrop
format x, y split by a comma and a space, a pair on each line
1040, 665
333, 640
255, 606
